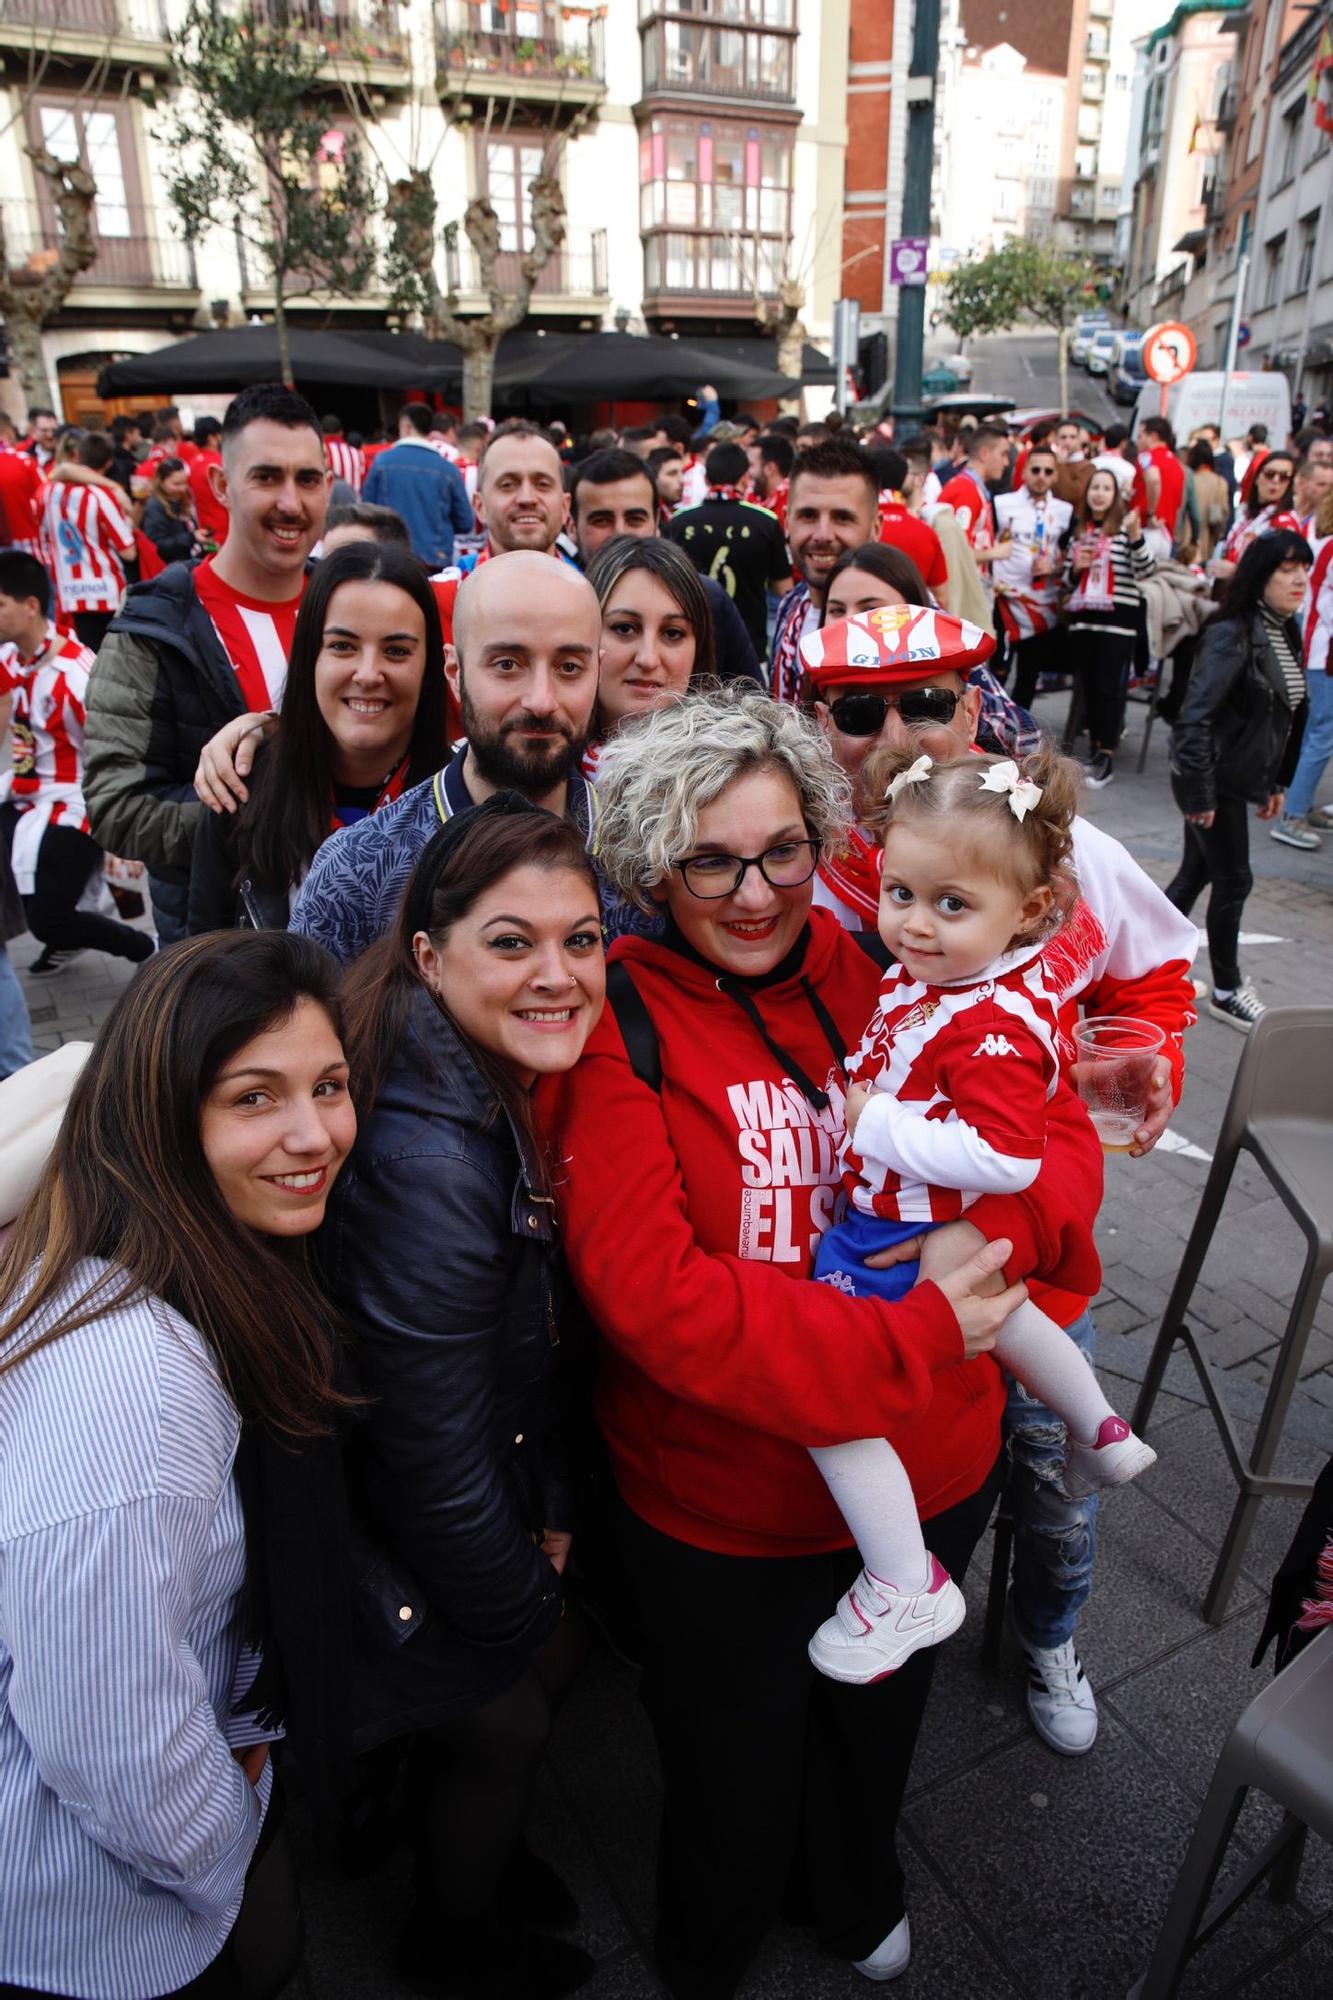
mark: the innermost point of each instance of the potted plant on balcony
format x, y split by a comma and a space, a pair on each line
525, 56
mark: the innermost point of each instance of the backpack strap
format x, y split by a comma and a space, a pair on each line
635, 1024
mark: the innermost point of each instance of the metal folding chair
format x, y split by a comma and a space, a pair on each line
1281, 1112
1283, 1746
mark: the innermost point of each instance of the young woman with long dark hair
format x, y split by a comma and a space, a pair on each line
1107, 561
363, 719
1266, 504
1236, 744
441, 1251
657, 629
168, 1384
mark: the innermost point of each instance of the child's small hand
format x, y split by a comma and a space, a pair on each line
857, 1098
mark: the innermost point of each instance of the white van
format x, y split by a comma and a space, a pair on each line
1252, 398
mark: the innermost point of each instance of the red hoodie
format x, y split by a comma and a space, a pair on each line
686, 1216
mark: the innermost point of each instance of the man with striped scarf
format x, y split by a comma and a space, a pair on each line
1027, 579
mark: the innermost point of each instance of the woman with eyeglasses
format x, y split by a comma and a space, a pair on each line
942, 717
1265, 507
712, 1090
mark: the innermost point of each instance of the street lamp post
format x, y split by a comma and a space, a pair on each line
907, 409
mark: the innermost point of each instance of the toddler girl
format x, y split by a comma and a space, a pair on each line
948, 1100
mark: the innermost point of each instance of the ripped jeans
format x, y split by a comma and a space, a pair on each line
1055, 1537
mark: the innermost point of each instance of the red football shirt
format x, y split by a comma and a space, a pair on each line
917, 540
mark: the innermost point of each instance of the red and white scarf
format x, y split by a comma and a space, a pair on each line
853, 876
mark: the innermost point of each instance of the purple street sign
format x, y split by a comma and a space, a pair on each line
907, 260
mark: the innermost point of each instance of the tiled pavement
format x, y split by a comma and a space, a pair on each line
1031, 1875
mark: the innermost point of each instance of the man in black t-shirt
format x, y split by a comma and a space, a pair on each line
740, 546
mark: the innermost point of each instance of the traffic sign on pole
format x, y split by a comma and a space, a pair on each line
1169, 352
1243, 335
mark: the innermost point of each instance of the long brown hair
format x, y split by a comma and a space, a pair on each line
127, 1181
1111, 519
458, 865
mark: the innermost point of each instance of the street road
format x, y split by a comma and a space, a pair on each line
1023, 365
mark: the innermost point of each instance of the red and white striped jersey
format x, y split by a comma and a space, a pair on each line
346, 462
50, 693
86, 532
443, 446
1029, 604
256, 636
1317, 610
961, 1077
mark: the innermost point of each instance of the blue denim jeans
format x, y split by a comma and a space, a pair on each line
15, 1027
1055, 1537
1316, 746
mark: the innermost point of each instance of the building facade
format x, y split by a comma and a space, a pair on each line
1185, 69
1288, 300
700, 146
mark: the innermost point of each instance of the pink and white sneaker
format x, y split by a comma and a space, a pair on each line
1114, 1457
875, 1629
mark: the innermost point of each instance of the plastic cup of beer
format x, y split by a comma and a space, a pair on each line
1116, 1059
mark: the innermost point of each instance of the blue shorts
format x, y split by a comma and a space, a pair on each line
840, 1258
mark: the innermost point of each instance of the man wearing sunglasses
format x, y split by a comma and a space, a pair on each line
900, 675
1027, 580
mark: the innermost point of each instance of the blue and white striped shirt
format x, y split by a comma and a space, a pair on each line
126, 1826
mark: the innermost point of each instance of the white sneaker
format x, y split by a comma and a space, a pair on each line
887, 1960
1061, 1706
874, 1630
1115, 1456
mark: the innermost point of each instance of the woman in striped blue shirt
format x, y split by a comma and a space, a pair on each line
155, 1300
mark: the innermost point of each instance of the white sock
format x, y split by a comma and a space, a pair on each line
874, 1496
1223, 992
1054, 1369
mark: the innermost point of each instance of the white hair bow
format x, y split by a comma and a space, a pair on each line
1023, 794
915, 774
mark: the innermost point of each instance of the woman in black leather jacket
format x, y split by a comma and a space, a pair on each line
363, 718
441, 1253
1236, 744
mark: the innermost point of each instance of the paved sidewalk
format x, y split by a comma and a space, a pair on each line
1030, 1875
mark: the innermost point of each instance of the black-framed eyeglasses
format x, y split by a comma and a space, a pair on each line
863, 713
784, 866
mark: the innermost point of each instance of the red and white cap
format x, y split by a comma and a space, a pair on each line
896, 645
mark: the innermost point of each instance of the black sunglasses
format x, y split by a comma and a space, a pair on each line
864, 714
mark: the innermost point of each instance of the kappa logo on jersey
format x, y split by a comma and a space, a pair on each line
995, 1045
840, 1281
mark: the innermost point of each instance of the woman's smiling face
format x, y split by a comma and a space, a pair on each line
753, 928
648, 648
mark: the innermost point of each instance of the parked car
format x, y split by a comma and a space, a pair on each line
1085, 326
965, 404
1127, 373
1101, 350
959, 365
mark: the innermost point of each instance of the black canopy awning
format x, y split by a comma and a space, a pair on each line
762, 353
234, 357
611, 367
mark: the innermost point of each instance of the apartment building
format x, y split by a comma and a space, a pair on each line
700, 148
1185, 66
1289, 288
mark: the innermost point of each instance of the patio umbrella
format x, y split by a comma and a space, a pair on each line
234, 357
619, 367
758, 352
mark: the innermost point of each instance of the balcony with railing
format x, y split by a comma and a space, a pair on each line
1172, 286
85, 31
360, 41
136, 251
694, 271
575, 276
539, 52
679, 57
1228, 104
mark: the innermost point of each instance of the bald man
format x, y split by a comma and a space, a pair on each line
522, 667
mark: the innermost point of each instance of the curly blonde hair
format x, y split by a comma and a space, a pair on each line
658, 773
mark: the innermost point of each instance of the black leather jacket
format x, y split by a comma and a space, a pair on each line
443, 1261
1236, 736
